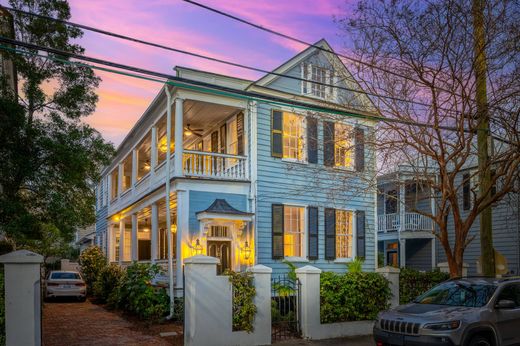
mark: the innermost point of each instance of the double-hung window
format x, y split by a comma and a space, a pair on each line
318, 81
344, 233
343, 146
294, 231
293, 136
318, 74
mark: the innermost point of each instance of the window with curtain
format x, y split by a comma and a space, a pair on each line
344, 233
293, 136
294, 231
343, 146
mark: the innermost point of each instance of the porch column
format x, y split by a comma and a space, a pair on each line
154, 230
179, 129
121, 240
119, 180
402, 205
402, 253
153, 151
134, 237
134, 167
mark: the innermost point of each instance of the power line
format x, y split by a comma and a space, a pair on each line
207, 87
222, 61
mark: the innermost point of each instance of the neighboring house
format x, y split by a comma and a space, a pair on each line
260, 172
405, 237
411, 244
85, 237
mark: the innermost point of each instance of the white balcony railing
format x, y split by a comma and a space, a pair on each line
214, 165
411, 222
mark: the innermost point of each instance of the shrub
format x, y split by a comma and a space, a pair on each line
413, 283
352, 296
244, 310
108, 280
92, 261
137, 296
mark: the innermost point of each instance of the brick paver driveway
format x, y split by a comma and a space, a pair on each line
72, 323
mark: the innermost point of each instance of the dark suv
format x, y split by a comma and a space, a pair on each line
469, 311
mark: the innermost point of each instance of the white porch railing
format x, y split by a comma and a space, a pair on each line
412, 222
214, 165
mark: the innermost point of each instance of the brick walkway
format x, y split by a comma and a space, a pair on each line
81, 324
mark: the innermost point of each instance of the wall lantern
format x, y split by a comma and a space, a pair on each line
146, 228
247, 250
198, 247
173, 228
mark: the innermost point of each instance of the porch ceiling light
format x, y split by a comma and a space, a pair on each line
188, 132
247, 250
147, 166
173, 228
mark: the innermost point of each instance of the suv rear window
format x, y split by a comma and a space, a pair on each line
455, 293
65, 276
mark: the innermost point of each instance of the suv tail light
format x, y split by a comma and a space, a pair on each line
80, 284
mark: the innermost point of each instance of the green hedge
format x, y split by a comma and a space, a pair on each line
352, 296
2, 306
108, 281
413, 283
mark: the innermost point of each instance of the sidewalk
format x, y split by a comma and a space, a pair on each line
351, 341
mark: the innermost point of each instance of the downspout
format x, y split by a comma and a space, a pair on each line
168, 212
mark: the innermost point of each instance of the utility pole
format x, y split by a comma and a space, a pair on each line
486, 231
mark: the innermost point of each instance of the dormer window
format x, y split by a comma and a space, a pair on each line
322, 76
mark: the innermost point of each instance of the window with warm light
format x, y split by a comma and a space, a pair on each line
293, 136
294, 231
114, 181
127, 246
343, 146
127, 173
115, 241
344, 233
144, 156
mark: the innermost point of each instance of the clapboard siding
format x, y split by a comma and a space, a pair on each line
419, 254
505, 233
201, 200
307, 184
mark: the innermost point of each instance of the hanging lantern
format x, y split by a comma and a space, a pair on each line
198, 247
247, 250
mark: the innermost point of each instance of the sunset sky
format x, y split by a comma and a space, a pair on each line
175, 23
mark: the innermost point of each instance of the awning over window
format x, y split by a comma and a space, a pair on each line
221, 209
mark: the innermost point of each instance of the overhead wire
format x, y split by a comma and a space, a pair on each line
201, 86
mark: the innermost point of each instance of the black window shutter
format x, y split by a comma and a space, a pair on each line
240, 133
360, 149
214, 142
277, 225
312, 140
223, 139
360, 233
328, 143
330, 233
276, 133
313, 233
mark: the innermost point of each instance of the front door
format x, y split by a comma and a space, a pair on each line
220, 249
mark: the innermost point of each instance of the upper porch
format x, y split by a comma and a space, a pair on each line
182, 135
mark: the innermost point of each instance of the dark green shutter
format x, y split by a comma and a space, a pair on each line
360, 234
328, 143
214, 142
223, 139
277, 230
330, 234
313, 232
240, 133
312, 140
276, 133
360, 149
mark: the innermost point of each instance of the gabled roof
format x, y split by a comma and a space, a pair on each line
221, 206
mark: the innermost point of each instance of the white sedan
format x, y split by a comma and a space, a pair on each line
65, 284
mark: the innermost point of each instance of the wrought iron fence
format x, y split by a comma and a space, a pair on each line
285, 308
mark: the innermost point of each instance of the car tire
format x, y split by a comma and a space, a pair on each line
480, 340
82, 299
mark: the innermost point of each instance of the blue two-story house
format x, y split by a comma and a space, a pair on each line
251, 172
